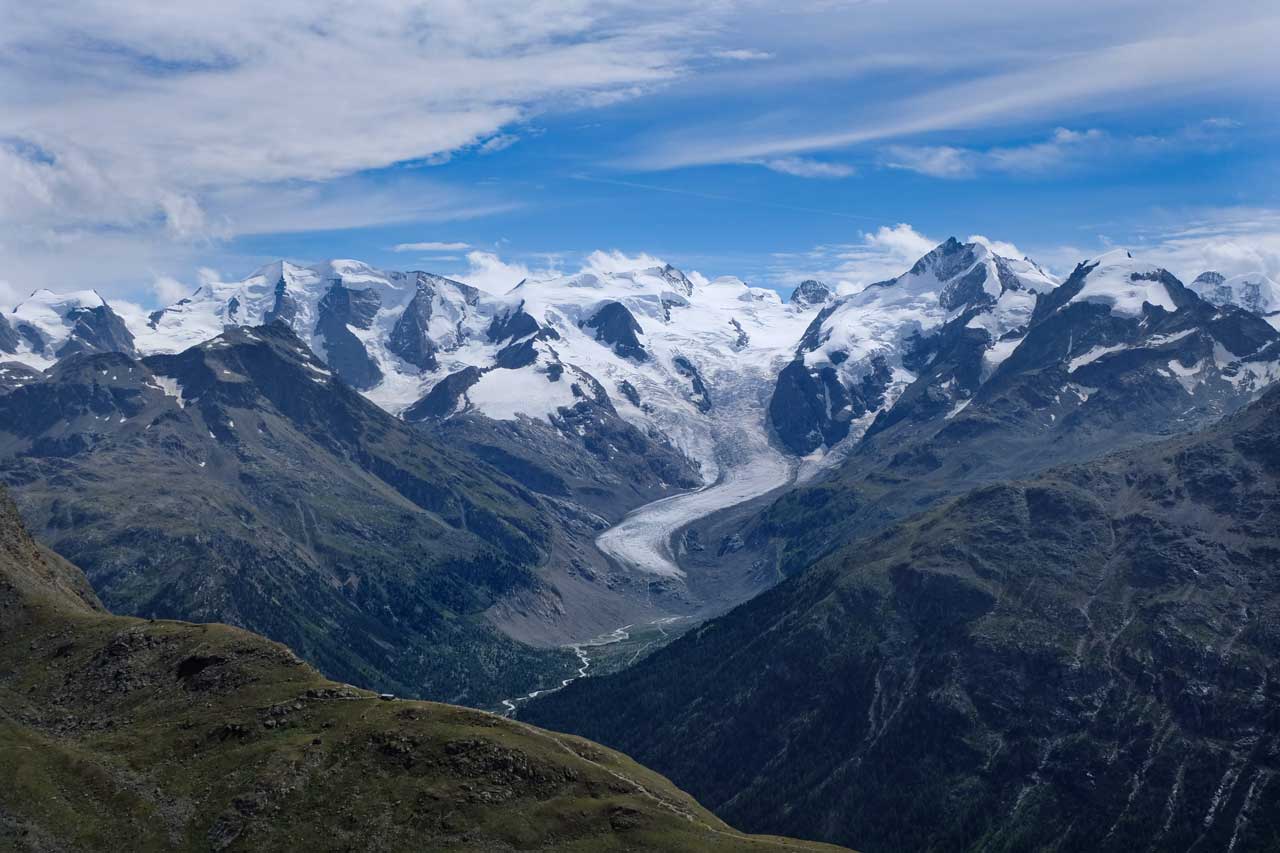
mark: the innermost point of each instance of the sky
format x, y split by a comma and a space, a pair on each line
148, 146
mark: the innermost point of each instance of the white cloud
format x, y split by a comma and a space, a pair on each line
491, 273
168, 290
1231, 241
803, 167
499, 142
938, 161
901, 243
1000, 247
430, 246
1042, 156
9, 295
878, 255
488, 272
1063, 147
615, 261
1059, 60
183, 216
742, 55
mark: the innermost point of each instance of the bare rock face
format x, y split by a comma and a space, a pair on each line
810, 293
340, 309
437, 299
615, 327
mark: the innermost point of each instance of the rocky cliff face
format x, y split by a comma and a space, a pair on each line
47, 326
809, 293
614, 325
1084, 661
341, 311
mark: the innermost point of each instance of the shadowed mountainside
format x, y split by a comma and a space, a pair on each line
1089, 660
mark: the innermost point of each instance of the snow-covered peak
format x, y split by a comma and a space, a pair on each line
49, 325
810, 292
1252, 291
1125, 284
952, 279
858, 355
279, 291
46, 308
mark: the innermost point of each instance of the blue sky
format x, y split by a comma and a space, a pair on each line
144, 145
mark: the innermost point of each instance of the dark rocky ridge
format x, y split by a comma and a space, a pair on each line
345, 353
1082, 381
410, 337
97, 329
699, 393
8, 337
617, 328
809, 293
815, 401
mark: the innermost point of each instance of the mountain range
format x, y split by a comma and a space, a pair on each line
431, 489
972, 558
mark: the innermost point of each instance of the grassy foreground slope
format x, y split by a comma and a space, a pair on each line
126, 734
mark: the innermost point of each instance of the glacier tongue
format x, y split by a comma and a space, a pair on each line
748, 466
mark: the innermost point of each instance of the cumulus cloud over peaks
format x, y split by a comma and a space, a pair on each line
878, 255
616, 261
491, 273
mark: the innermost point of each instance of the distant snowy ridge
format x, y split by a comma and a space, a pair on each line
689, 359
1252, 291
715, 367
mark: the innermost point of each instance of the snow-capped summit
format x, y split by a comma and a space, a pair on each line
854, 359
810, 292
704, 365
672, 354
47, 326
1251, 291
1126, 285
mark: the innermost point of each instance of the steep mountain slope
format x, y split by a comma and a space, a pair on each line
1089, 660
240, 481
1118, 355
860, 353
601, 390
120, 733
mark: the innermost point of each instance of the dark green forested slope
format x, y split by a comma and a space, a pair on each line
1089, 660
